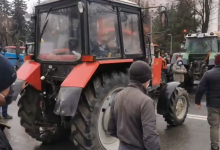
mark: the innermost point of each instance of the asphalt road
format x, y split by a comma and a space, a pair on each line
192, 135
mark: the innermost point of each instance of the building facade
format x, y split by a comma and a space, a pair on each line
218, 15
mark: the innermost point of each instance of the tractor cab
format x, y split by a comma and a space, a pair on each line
88, 28
200, 46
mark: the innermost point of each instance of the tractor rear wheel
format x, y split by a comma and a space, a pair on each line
178, 108
30, 112
89, 125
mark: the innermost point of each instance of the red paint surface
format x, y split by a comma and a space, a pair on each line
80, 75
14, 47
116, 61
164, 64
30, 72
57, 57
157, 71
62, 50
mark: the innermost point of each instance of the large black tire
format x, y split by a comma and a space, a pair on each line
171, 117
29, 111
85, 133
188, 81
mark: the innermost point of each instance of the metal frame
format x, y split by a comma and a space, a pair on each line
84, 30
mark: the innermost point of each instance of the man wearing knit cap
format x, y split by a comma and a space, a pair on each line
132, 116
210, 84
7, 78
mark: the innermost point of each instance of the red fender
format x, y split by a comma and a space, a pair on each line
81, 74
30, 72
157, 71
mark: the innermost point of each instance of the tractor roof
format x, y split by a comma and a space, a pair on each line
201, 35
126, 2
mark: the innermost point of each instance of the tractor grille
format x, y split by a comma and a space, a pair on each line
196, 57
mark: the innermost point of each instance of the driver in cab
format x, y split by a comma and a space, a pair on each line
199, 47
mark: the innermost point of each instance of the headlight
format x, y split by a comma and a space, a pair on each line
80, 7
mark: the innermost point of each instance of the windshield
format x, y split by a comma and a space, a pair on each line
30, 49
103, 30
130, 32
201, 45
60, 37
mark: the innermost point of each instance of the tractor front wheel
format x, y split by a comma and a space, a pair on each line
89, 128
178, 108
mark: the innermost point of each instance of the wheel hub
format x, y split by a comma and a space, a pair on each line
107, 141
181, 107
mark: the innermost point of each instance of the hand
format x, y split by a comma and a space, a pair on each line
198, 106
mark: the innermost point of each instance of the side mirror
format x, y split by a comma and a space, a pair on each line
29, 49
164, 18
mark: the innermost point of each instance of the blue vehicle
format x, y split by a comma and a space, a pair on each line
11, 53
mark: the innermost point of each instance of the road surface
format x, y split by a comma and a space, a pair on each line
192, 135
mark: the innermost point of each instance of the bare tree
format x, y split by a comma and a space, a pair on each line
202, 11
5, 27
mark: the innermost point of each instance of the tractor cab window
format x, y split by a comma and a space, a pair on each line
60, 37
201, 45
130, 31
103, 30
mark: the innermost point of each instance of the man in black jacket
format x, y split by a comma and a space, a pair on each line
132, 115
210, 84
7, 78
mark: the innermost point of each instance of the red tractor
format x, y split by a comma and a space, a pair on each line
83, 50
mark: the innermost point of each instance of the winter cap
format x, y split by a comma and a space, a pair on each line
140, 71
217, 59
179, 59
7, 73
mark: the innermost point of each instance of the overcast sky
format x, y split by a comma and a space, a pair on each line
30, 4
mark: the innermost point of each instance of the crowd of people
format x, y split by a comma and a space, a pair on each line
136, 129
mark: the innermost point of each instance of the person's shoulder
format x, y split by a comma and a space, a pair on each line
211, 71
145, 98
146, 103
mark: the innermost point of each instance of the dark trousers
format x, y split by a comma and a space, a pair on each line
214, 122
4, 110
123, 146
4, 144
